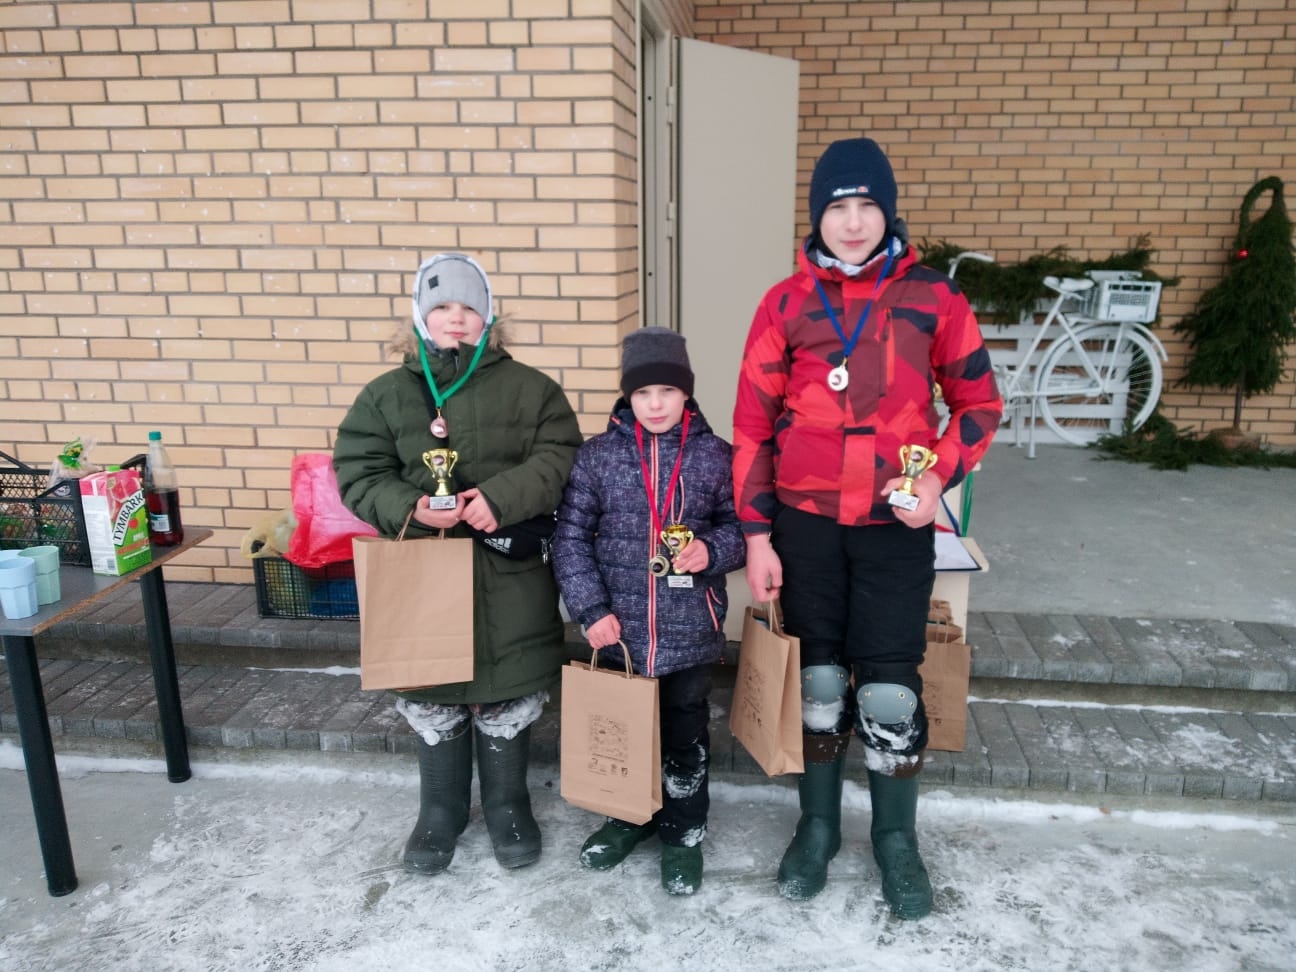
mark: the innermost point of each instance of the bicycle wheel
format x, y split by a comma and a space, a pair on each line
1089, 386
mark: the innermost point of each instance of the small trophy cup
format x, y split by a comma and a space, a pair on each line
915, 460
676, 536
441, 462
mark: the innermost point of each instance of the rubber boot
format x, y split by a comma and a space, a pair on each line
681, 869
506, 801
803, 871
445, 791
612, 843
905, 884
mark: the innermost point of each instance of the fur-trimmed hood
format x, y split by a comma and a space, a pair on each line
404, 341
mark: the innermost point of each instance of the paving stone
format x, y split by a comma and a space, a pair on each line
1089, 662
1197, 745
1004, 753
1126, 665
1057, 661
1084, 771
1163, 776
1023, 661
1157, 666
1047, 771
1125, 774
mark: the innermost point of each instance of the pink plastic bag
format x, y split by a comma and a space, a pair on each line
324, 526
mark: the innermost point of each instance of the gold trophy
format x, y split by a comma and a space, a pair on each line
441, 463
915, 460
676, 536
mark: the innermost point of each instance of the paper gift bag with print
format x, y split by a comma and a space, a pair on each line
945, 671
416, 611
766, 712
611, 741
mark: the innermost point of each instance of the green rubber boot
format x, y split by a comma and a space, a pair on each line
506, 801
681, 869
445, 790
803, 871
905, 884
612, 843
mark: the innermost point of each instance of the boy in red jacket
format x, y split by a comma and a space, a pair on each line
841, 372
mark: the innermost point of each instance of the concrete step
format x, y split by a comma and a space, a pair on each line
1083, 704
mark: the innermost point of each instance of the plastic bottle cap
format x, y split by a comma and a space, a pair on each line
155, 436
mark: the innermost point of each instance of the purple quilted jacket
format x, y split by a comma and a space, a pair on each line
605, 539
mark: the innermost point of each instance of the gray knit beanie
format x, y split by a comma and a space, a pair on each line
655, 356
450, 277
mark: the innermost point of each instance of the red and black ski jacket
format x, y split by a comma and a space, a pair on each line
799, 443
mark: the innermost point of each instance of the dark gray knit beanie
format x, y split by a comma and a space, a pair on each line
655, 356
852, 167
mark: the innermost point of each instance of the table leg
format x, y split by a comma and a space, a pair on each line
157, 620
42, 771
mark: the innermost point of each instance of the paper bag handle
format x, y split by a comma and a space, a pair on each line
772, 616
625, 653
405, 526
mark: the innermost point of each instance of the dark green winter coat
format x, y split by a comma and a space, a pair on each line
517, 437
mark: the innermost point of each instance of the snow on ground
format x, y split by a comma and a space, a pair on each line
292, 863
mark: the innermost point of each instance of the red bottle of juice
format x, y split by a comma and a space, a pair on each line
162, 495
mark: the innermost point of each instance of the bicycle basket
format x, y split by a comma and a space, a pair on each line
1116, 297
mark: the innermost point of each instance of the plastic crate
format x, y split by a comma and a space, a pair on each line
32, 515
1118, 295
285, 590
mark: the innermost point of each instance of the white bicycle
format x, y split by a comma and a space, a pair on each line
1101, 367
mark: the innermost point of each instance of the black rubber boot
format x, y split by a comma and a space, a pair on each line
612, 843
445, 790
506, 801
905, 884
803, 871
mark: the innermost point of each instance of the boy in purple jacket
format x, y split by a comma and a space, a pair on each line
646, 534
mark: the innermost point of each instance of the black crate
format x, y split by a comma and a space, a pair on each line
285, 590
32, 515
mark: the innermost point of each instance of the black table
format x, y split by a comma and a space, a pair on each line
81, 587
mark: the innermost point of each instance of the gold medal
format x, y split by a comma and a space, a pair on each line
658, 566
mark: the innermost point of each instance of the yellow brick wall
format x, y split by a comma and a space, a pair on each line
210, 216
210, 213
1018, 127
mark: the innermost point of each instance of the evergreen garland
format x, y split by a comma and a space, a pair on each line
1238, 331
1162, 446
1003, 293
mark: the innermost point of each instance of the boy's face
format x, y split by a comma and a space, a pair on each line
852, 228
450, 323
659, 408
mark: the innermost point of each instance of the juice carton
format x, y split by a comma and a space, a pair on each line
116, 521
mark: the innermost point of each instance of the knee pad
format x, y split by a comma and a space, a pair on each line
886, 702
824, 689
891, 723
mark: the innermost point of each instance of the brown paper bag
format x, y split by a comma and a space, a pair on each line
766, 712
945, 672
416, 611
611, 741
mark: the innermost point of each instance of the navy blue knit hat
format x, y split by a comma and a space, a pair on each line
852, 167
